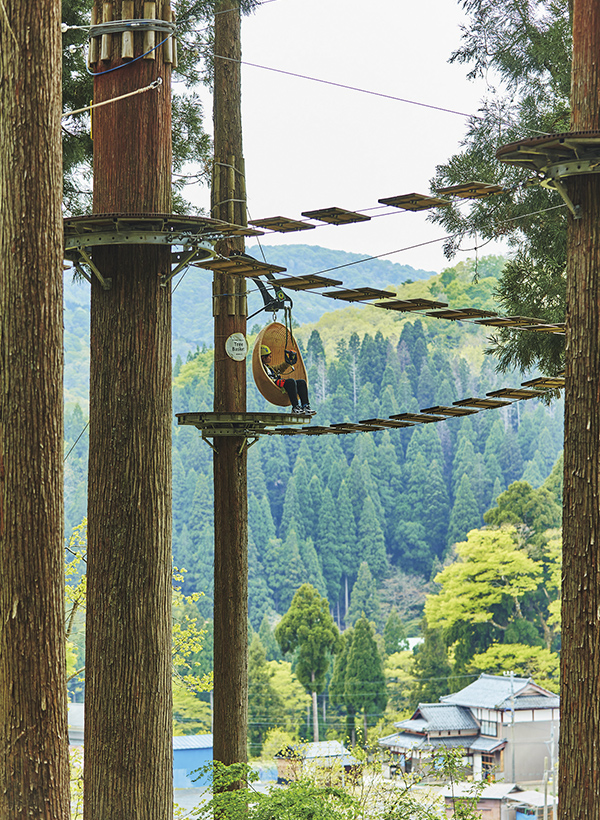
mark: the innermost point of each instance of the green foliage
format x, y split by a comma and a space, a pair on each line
364, 685
265, 705
191, 715
191, 144
326, 795
75, 600
303, 799
319, 507
399, 672
527, 661
364, 599
500, 601
188, 638
276, 740
309, 628
482, 586
337, 686
188, 635
432, 668
394, 634
537, 509
293, 695
528, 46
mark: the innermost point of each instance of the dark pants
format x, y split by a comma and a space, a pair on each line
295, 388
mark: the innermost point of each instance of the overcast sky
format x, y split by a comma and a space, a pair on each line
309, 145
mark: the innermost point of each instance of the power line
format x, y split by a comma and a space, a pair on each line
349, 87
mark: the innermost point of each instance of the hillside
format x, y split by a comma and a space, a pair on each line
396, 500
192, 313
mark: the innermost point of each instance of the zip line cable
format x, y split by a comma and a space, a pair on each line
75, 442
401, 250
348, 87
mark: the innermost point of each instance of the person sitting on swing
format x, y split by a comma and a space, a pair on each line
296, 389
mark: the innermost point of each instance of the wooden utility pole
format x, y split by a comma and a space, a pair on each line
128, 704
579, 764
34, 766
230, 462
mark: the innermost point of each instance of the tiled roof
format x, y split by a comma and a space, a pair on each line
497, 692
439, 717
537, 702
406, 741
402, 740
495, 791
193, 742
487, 744
326, 748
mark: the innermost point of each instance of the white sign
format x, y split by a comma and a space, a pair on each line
236, 347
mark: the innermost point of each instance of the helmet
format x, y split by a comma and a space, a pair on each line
264, 350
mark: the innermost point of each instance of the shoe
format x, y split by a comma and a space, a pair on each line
306, 409
297, 410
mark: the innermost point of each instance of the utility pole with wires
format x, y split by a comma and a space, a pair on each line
228, 202
128, 704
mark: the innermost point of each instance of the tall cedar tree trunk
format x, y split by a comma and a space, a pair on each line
579, 779
34, 769
128, 748
230, 462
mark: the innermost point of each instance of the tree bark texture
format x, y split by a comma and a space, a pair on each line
128, 718
34, 768
230, 461
579, 753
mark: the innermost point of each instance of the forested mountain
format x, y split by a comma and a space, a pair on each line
320, 507
192, 312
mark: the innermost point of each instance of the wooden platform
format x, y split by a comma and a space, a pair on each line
245, 425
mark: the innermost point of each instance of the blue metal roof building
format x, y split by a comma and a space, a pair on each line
190, 752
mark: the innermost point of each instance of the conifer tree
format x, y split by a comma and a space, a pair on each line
337, 686
365, 681
511, 458
312, 505
412, 549
394, 636
329, 546
260, 599
427, 385
407, 402
432, 668
268, 640
465, 512
463, 463
311, 562
284, 569
371, 543
347, 537
364, 600
308, 627
292, 511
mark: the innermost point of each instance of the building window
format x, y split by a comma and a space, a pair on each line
489, 728
488, 764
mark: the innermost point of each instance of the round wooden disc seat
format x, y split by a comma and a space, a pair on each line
274, 336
